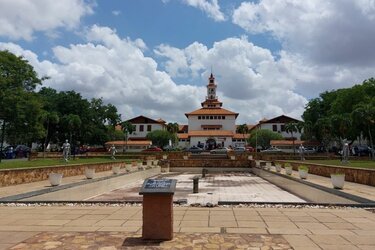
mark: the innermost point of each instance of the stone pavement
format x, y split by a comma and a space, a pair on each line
238, 187
118, 227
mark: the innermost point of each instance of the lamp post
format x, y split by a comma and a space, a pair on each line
2, 120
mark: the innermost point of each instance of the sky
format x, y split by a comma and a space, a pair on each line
153, 57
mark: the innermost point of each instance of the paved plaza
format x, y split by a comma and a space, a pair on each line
238, 187
119, 227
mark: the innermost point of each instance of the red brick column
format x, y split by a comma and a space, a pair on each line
157, 217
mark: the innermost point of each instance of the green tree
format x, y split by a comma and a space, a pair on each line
161, 138
262, 137
127, 128
292, 128
243, 129
20, 106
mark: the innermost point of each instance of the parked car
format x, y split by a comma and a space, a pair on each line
361, 150
239, 149
8, 152
194, 150
152, 149
272, 150
250, 149
22, 151
309, 150
224, 150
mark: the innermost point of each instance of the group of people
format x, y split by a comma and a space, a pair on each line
66, 151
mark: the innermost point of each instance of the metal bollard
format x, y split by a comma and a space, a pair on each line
204, 172
195, 185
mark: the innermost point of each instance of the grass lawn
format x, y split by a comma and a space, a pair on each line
352, 163
52, 162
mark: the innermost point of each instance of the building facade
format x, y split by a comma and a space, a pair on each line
277, 124
210, 126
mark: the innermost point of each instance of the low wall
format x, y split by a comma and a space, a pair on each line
357, 175
303, 189
86, 191
210, 163
26, 175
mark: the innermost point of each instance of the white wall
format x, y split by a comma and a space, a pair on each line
137, 133
228, 124
284, 134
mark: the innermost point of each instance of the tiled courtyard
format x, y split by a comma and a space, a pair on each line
239, 187
119, 227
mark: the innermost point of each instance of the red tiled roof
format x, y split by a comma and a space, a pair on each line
285, 142
240, 136
183, 136
202, 133
211, 111
129, 143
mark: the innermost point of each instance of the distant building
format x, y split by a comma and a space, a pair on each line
210, 126
137, 140
277, 124
144, 125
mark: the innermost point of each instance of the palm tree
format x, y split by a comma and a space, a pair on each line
292, 127
128, 128
172, 128
364, 116
243, 129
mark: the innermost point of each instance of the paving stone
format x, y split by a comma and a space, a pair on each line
329, 240
222, 223
275, 218
110, 223
247, 230
344, 225
331, 232
311, 225
200, 229
248, 218
251, 224
302, 219
15, 237
281, 224
361, 239
300, 241
194, 223
364, 232
291, 231
53, 222
338, 247
5, 246
116, 240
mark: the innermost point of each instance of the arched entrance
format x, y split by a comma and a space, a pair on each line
211, 143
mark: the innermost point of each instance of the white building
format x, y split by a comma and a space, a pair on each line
137, 140
144, 125
211, 126
277, 124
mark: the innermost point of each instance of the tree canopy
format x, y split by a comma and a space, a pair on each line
161, 138
48, 115
342, 114
262, 138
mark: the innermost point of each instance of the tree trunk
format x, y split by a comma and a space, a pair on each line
371, 143
294, 148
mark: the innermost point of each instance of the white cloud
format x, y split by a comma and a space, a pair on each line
250, 80
210, 7
117, 70
20, 19
322, 31
116, 12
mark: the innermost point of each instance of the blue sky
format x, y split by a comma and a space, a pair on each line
152, 57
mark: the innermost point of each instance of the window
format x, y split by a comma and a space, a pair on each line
211, 117
282, 127
140, 128
223, 117
215, 117
148, 127
207, 117
274, 127
199, 117
219, 117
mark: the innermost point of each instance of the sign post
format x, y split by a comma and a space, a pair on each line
158, 209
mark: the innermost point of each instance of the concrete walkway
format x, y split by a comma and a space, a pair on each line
78, 227
360, 190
